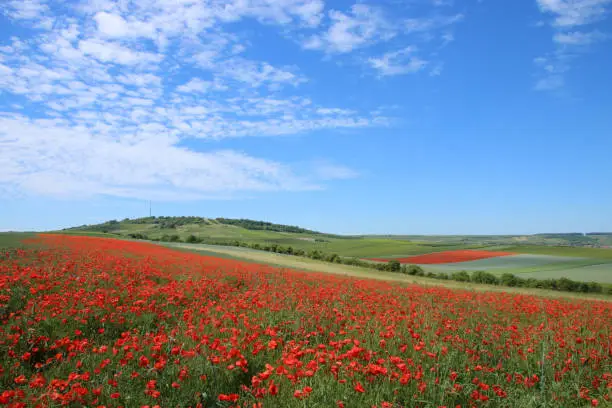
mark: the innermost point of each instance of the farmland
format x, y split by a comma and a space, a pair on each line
215, 230
103, 322
534, 256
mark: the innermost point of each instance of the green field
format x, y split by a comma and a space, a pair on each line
598, 253
537, 266
13, 239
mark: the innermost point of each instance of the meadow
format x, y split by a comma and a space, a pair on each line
88, 321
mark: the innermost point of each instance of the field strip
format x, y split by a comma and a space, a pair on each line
557, 266
308, 265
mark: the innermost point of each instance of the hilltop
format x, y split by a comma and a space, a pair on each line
164, 223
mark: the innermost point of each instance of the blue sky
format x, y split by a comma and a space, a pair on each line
405, 117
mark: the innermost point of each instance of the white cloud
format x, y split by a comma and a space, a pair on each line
550, 83
577, 38
570, 13
25, 9
69, 161
255, 73
196, 85
329, 171
139, 79
106, 51
111, 25
414, 25
110, 101
363, 26
398, 62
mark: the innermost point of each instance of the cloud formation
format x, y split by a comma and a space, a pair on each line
105, 96
572, 22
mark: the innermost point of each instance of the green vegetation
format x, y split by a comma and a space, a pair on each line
11, 240
223, 231
265, 226
586, 252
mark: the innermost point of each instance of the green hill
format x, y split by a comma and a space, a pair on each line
223, 230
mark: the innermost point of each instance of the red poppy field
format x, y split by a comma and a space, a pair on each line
90, 322
464, 255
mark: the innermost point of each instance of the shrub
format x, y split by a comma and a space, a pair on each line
315, 254
461, 276
485, 277
595, 287
567, 285
331, 257
394, 266
192, 239
414, 270
508, 279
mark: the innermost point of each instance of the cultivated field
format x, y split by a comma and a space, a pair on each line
593, 264
104, 322
349, 246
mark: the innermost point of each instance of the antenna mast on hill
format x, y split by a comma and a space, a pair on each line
149, 208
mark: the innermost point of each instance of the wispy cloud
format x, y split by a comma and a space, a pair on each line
571, 22
110, 95
578, 38
364, 25
398, 62
428, 24
330, 171
571, 13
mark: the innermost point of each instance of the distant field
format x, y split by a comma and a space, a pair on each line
600, 253
594, 273
537, 266
13, 239
454, 256
506, 262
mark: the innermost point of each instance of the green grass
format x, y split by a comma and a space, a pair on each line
14, 239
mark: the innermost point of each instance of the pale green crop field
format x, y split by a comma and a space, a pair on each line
536, 266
